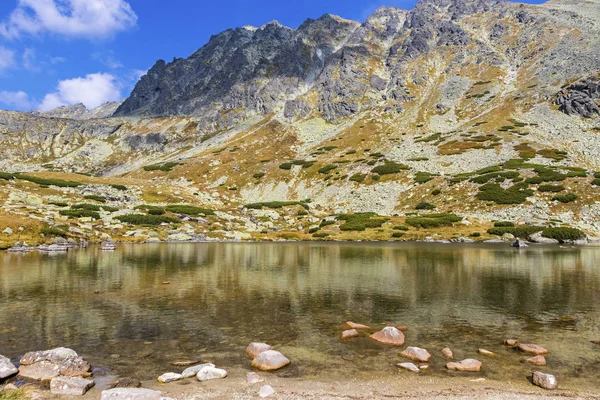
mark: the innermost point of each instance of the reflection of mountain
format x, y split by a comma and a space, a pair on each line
224, 295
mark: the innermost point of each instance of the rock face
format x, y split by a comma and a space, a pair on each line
210, 373
254, 349
270, 360
532, 349
468, 365
131, 394
416, 354
70, 385
7, 368
193, 371
545, 381
61, 361
389, 335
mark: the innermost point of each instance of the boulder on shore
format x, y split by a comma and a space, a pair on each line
7, 369
389, 335
545, 381
210, 373
170, 377
416, 354
254, 349
45, 363
70, 385
468, 365
270, 360
193, 371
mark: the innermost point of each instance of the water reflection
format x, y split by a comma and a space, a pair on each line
222, 296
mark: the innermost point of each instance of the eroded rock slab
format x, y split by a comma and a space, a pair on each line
389, 335
270, 360
545, 381
68, 362
70, 385
41, 371
468, 365
266, 391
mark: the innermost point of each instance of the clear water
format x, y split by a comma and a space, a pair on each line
114, 309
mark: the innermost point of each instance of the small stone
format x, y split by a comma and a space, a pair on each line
416, 354
349, 334
7, 368
254, 349
511, 342
170, 377
533, 349
402, 328
210, 373
270, 360
447, 353
266, 391
193, 371
545, 381
253, 377
423, 367
410, 367
487, 353
130, 394
540, 361
353, 325
70, 385
468, 365
389, 335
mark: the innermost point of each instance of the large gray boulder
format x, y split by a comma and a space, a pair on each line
7, 369
48, 364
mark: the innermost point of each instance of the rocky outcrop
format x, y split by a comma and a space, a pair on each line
49, 364
581, 98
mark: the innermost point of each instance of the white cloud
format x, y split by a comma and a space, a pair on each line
30, 60
7, 58
19, 100
92, 91
108, 59
71, 18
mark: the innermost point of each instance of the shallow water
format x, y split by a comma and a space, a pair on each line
296, 296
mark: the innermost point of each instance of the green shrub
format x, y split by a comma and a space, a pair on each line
425, 206
389, 167
577, 173
7, 176
86, 206
119, 187
286, 166
79, 213
401, 228
423, 177
536, 180
563, 234
565, 198
53, 231
596, 182
302, 213
551, 188
516, 194
314, 230
165, 167
496, 176
258, 175
188, 210
320, 235
156, 211
360, 221
358, 177
48, 182
433, 220
436, 192
597, 175
304, 164
59, 203
147, 220
475, 235
376, 177
504, 224
521, 231
94, 197
397, 234
327, 169
327, 223
275, 204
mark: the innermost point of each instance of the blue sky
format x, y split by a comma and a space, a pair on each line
60, 52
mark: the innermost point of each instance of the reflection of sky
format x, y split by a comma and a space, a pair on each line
225, 295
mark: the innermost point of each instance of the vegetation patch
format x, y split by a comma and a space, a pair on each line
596, 182
147, 220
80, 213
165, 167
521, 231
401, 228
360, 221
119, 187
516, 194
504, 224
563, 234
258, 175
94, 197
327, 169
59, 203
433, 220
423, 177
275, 204
551, 188
425, 206
358, 177
389, 167
496, 176
286, 166
565, 198
397, 235
48, 181
53, 231
189, 210
321, 235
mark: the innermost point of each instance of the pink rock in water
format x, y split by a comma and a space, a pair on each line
447, 353
468, 365
511, 342
254, 349
270, 360
416, 354
533, 349
389, 335
349, 334
353, 325
545, 381
540, 361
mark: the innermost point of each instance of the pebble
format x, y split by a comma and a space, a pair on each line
266, 391
537, 360
253, 377
410, 367
193, 371
533, 349
353, 325
447, 353
254, 349
210, 373
416, 354
545, 381
389, 335
130, 394
468, 365
170, 377
270, 360
349, 334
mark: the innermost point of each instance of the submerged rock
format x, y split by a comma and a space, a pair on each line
545, 381
511, 342
519, 244
353, 325
270, 360
254, 349
253, 377
66, 361
540, 361
349, 334
266, 391
487, 353
210, 373
130, 394
447, 353
533, 349
468, 365
70, 385
193, 371
127, 383
389, 335
7, 369
410, 367
170, 377
416, 354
